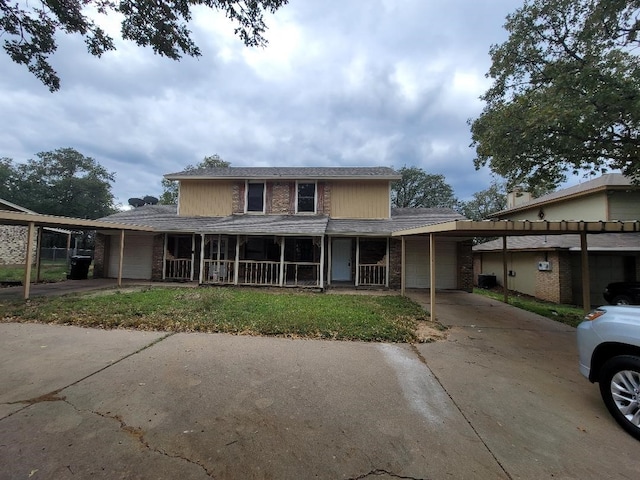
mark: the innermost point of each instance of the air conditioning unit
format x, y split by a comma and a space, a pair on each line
544, 266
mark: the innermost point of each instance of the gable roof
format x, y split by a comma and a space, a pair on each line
608, 181
163, 218
287, 173
7, 205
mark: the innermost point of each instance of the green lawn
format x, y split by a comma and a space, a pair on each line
233, 310
567, 314
49, 272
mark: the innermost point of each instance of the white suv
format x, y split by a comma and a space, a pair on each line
609, 347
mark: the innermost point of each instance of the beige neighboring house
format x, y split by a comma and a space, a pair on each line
285, 227
549, 267
13, 238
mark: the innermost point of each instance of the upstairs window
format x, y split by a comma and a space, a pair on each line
255, 197
306, 197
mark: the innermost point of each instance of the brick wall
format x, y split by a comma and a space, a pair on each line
278, 198
238, 197
395, 263
157, 257
465, 266
100, 253
13, 245
555, 285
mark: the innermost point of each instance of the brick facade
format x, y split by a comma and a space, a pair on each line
13, 245
100, 254
157, 257
555, 285
280, 198
395, 263
465, 265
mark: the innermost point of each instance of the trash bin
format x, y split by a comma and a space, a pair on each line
79, 269
487, 281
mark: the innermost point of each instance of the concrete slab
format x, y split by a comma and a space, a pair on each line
514, 377
250, 407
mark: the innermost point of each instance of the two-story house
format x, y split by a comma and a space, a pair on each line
302, 227
549, 266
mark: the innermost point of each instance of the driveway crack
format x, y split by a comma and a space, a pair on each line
379, 471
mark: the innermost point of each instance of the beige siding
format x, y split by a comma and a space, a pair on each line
523, 264
624, 206
590, 208
206, 198
360, 199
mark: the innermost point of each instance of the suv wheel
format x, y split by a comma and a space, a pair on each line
621, 300
620, 390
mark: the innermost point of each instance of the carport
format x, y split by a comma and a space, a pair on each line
32, 220
465, 229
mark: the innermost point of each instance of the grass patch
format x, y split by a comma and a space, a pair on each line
231, 310
49, 272
567, 314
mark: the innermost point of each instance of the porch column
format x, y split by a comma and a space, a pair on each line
432, 276
121, 260
164, 256
504, 269
26, 286
586, 282
281, 279
236, 264
357, 261
387, 266
402, 267
193, 255
201, 276
39, 253
329, 239
322, 262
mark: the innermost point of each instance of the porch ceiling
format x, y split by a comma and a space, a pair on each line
22, 218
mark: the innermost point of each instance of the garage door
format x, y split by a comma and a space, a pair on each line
417, 264
138, 251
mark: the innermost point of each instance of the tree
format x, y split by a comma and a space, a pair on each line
565, 96
62, 182
485, 202
170, 187
30, 30
420, 189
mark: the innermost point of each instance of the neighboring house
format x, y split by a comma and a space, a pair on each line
549, 267
13, 238
312, 227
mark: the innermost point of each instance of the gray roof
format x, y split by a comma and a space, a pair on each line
163, 218
602, 242
290, 173
606, 181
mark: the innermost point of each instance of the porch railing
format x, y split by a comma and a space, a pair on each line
218, 271
254, 272
301, 273
373, 274
178, 269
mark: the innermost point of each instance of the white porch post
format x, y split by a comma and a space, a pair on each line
164, 256
26, 286
402, 267
201, 276
386, 279
281, 277
357, 261
329, 241
236, 265
193, 256
322, 262
432, 275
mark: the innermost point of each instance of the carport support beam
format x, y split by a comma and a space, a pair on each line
402, 266
39, 254
28, 260
432, 276
505, 287
121, 259
586, 283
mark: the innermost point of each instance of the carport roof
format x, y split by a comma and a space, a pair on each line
22, 218
494, 228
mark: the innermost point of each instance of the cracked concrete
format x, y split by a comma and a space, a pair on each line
499, 398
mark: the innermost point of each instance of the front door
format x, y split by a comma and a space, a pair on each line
341, 260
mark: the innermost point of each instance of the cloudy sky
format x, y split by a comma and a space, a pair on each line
341, 83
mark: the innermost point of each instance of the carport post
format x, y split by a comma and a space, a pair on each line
402, 266
586, 282
164, 256
322, 262
201, 275
120, 262
504, 269
28, 259
38, 254
432, 276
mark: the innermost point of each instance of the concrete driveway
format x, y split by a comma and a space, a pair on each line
500, 398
